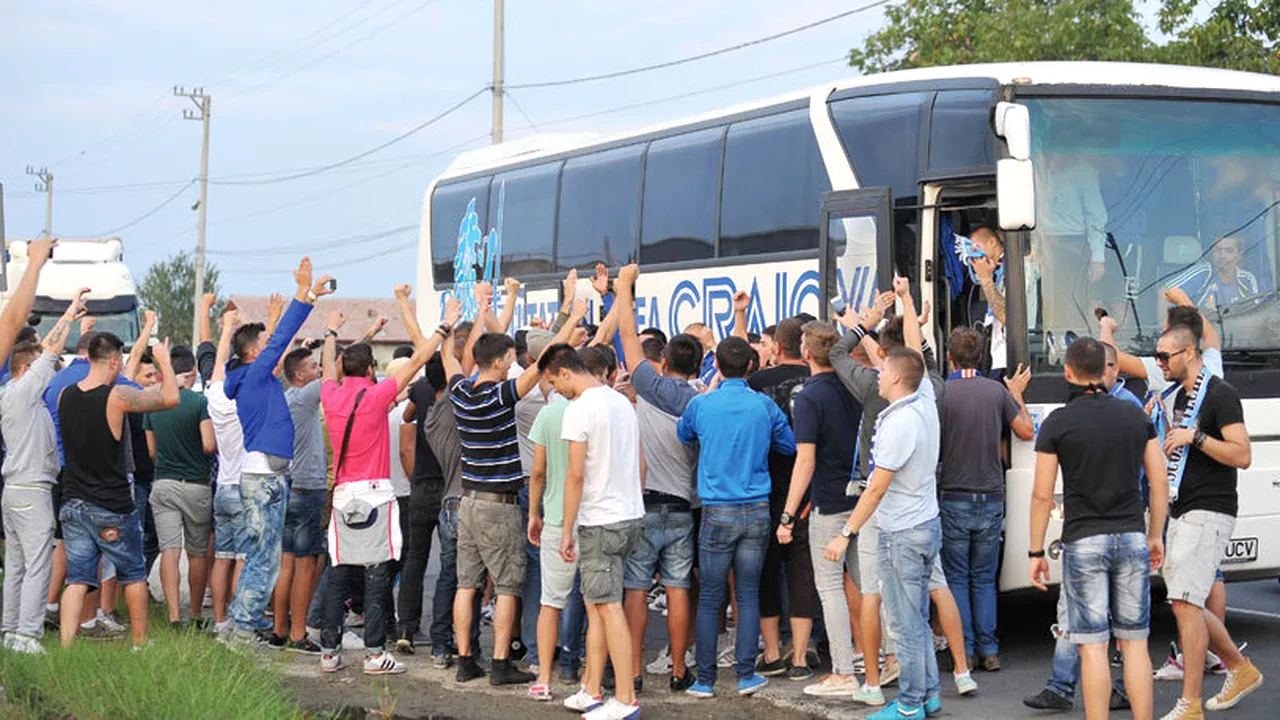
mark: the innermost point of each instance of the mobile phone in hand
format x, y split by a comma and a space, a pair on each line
332, 284
838, 306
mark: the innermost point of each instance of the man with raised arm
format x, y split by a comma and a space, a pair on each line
98, 512
228, 509
268, 443
491, 531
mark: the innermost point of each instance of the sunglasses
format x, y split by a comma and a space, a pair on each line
1163, 357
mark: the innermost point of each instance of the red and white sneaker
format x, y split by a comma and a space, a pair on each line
331, 663
384, 663
1172, 668
540, 692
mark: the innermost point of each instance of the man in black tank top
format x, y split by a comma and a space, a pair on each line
98, 513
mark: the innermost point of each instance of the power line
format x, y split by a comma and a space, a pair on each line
315, 246
700, 56
325, 168
520, 109
112, 136
145, 215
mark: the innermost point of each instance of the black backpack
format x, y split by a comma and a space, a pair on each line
784, 394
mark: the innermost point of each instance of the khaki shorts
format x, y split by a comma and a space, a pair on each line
1195, 543
183, 513
491, 538
602, 559
557, 575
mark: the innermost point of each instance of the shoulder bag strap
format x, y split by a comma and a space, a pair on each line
346, 434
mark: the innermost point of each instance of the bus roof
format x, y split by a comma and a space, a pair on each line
1026, 73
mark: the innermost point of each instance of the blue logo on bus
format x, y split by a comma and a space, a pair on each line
476, 250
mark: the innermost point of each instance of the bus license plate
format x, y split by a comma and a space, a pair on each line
1240, 550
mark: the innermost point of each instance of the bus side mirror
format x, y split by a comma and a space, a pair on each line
1016, 194
1013, 123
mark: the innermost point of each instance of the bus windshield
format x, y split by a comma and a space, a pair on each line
123, 325
1139, 195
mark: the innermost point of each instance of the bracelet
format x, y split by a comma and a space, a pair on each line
1198, 440
331, 333
443, 331
1035, 554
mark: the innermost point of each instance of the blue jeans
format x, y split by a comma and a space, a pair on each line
264, 504
90, 532
733, 537
1108, 587
1066, 659
970, 554
447, 586
315, 612
531, 604
303, 523
142, 503
906, 561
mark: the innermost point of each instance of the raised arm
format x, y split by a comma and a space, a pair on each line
1129, 365
56, 339
407, 315
378, 325
207, 301
423, 352
293, 317
741, 301
985, 268
124, 399
624, 306
1022, 426
230, 323
18, 309
275, 311
503, 322
329, 355
1210, 337
484, 301
140, 347
911, 334
570, 292
608, 326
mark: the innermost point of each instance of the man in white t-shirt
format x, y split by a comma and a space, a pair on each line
228, 510
602, 496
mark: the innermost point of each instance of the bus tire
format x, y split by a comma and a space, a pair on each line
1159, 591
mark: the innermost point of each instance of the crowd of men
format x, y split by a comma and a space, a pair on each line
826, 473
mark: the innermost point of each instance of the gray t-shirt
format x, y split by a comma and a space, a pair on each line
31, 450
973, 414
673, 466
526, 412
308, 470
441, 428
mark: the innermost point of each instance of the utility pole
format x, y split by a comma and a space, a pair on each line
44, 184
498, 34
202, 103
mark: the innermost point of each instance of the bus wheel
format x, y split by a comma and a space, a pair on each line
1159, 591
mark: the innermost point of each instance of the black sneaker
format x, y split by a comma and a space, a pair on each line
504, 672
799, 673
306, 646
518, 651
274, 641
1047, 700
638, 683
177, 626
680, 684
569, 675
468, 669
771, 669
1119, 700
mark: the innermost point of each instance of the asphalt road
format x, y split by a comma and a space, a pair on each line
1026, 653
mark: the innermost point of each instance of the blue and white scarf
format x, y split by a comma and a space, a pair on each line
1189, 419
967, 251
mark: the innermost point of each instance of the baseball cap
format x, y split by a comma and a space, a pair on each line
539, 340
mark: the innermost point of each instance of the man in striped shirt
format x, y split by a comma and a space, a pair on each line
491, 529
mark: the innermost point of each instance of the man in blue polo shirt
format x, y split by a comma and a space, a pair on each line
735, 428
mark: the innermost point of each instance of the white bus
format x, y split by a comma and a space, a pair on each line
1109, 180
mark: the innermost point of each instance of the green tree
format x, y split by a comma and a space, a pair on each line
169, 288
925, 33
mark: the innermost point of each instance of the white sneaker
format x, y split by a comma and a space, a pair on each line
1183, 709
833, 686
868, 695
726, 647
614, 710
331, 663
351, 641
1172, 668
582, 701
662, 664
384, 663
965, 684
109, 622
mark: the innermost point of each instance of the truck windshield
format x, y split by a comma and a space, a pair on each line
1139, 195
124, 325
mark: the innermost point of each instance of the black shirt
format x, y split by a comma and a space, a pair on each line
95, 469
826, 415
1100, 442
1206, 483
767, 381
425, 464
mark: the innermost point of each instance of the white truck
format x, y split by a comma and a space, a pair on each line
95, 263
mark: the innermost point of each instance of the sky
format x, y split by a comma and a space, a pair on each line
87, 91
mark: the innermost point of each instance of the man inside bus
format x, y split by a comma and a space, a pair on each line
1219, 281
1071, 237
989, 269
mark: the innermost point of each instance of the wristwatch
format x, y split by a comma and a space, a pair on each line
1198, 439
1035, 554
847, 534
331, 333
786, 519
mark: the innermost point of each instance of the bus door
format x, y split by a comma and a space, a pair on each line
855, 240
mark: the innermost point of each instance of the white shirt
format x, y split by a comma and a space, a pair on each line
226, 428
399, 481
605, 420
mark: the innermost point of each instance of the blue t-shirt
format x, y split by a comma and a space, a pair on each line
736, 428
826, 415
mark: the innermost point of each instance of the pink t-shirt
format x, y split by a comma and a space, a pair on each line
369, 453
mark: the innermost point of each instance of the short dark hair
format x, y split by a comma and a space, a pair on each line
522, 342
600, 360
24, 353
82, 345
402, 351
1185, 316
491, 347
182, 359
562, 356
805, 317
435, 372
27, 334
684, 355
104, 346
753, 338
357, 360
734, 356
787, 337
1087, 358
891, 335
909, 363
771, 331
652, 348
965, 347
655, 333
1184, 335
293, 360
246, 336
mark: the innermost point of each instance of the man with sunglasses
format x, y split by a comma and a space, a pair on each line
1206, 445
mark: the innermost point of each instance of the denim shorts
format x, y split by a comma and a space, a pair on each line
303, 534
90, 532
228, 523
1108, 584
665, 547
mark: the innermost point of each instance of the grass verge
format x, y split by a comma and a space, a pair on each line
182, 675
